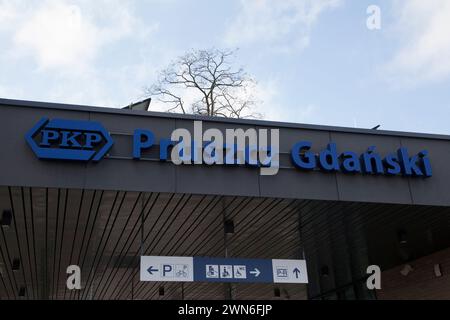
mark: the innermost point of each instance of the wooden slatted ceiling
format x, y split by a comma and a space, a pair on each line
102, 232
105, 232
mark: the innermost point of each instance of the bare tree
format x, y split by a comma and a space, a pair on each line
204, 82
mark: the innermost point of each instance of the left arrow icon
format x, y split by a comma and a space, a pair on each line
151, 270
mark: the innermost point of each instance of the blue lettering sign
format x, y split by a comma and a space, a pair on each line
142, 139
328, 160
88, 140
369, 162
303, 161
69, 140
350, 162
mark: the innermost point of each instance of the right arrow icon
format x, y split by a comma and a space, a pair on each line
255, 272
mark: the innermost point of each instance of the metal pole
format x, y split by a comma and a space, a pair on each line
228, 286
182, 291
302, 244
300, 236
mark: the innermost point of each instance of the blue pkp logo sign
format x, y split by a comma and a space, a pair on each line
69, 140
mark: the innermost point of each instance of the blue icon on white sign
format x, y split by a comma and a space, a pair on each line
212, 271
226, 272
282, 272
240, 272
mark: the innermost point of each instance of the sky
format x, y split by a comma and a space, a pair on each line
315, 61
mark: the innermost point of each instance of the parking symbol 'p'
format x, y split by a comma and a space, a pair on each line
167, 270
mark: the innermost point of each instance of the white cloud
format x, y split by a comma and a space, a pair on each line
68, 43
68, 34
284, 25
275, 110
424, 54
59, 35
8, 12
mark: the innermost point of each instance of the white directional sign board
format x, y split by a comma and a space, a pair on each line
289, 271
155, 268
205, 269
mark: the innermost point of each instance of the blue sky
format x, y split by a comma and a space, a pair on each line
315, 60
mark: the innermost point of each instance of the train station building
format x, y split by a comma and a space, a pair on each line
97, 188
